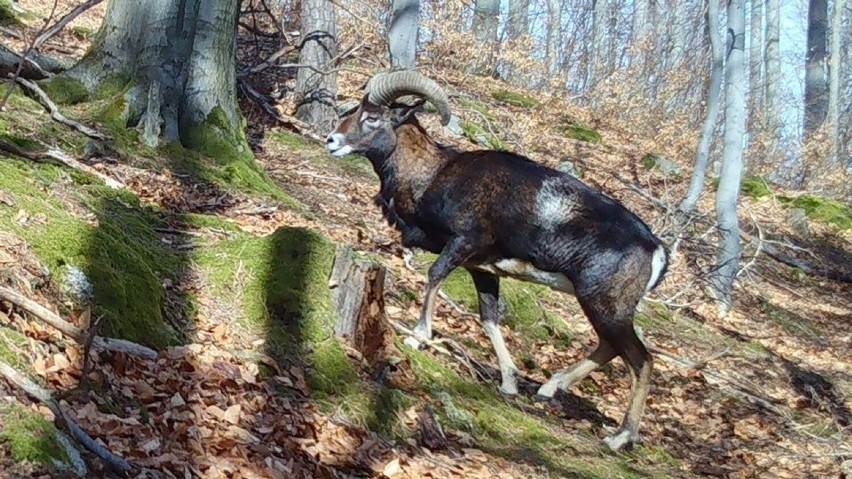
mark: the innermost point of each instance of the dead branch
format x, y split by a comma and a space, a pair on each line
57, 115
11, 62
55, 155
24, 57
837, 275
73, 332
65, 20
18, 379
301, 127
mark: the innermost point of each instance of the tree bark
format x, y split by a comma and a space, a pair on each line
517, 26
714, 89
755, 61
600, 55
834, 93
554, 34
816, 99
402, 36
727, 260
486, 16
316, 91
773, 71
178, 57
639, 34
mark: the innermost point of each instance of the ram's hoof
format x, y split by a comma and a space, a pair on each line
414, 343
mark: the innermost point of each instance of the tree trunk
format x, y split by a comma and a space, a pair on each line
402, 36
486, 16
600, 55
554, 34
816, 100
316, 91
714, 89
641, 28
834, 93
517, 26
727, 260
773, 71
179, 59
755, 62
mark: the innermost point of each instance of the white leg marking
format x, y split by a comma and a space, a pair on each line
620, 439
504, 359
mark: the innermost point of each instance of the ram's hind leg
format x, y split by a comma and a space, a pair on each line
640, 363
565, 378
488, 289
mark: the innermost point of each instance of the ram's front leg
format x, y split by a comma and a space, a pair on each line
456, 252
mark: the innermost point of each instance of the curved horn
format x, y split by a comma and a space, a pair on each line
384, 88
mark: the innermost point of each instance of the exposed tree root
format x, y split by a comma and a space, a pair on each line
56, 155
40, 96
72, 331
21, 381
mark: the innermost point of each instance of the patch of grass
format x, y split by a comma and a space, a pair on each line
29, 436
11, 343
290, 140
755, 186
822, 209
121, 255
575, 129
514, 99
82, 32
8, 15
24, 143
792, 323
480, 135
280, 283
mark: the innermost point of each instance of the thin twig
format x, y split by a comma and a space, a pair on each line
42, 97
65, 20
26, 54
56, 155
72, 331
16, 378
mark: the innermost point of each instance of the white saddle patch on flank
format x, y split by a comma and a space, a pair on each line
525, 271
552, 206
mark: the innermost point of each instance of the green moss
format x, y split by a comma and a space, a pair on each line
575, 129
793, 324
65, 90
24, 143
82, 32
755, 187
478, 134
122, 255
11, 345
514, 99
477, 106
822, 209
8, 15
29, 436
290, 140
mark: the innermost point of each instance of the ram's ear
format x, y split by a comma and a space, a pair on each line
400, 112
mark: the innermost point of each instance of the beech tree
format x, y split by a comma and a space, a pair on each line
402, 35
178, 60
816, 86
316, 88
702, 155
727, 260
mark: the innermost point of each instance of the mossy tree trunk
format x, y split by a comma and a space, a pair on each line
179, 58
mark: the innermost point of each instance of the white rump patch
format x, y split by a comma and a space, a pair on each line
553, 205
658, 261
525, 271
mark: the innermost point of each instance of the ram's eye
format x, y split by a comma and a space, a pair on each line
370, 119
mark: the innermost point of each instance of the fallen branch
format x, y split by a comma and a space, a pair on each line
65, 20
259, 98
837, 275
72, 331
16, 378
57, 115
56, 155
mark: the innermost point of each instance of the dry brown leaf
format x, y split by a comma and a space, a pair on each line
232, 414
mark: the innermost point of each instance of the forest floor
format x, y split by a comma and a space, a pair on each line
230, 285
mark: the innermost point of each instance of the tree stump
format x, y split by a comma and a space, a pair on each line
358, 288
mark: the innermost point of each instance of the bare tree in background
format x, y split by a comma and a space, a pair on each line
755, 62
772, 58
727, 260
486, 16
834, 92
601, 57
316, 90
816, 98
402, 35
714, 89
641, 29
179, 58
517, 26
554, 34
